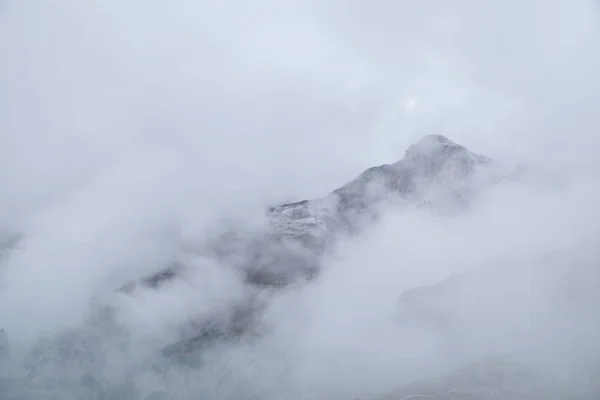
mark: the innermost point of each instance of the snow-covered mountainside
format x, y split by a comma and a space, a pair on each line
435, 172
432, 170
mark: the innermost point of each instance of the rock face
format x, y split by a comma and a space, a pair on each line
434, 172
433, 166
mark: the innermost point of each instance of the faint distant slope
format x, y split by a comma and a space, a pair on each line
568, 278
543, 309
501, 379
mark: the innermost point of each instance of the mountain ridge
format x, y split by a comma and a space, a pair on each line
434, 161
287, 251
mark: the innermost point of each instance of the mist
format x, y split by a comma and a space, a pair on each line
131, 131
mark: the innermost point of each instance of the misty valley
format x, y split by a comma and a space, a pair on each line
299, 200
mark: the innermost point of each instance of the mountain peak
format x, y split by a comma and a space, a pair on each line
434, 153
432, 146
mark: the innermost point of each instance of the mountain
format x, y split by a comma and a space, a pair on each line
433, 166
467, 313
434, 172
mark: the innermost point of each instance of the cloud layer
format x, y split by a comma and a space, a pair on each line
127, 129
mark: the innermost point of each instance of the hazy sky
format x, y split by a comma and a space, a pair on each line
295, 97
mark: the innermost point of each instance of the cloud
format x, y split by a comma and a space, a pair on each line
127, 128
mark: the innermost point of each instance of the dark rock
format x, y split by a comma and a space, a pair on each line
435, 162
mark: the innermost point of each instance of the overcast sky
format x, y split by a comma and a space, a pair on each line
289, 98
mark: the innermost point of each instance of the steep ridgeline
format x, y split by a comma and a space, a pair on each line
434, 172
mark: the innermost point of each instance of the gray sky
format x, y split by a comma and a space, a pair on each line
295, 96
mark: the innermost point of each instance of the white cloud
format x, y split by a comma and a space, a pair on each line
126, 125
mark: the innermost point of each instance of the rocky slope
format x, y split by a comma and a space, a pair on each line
434, 172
